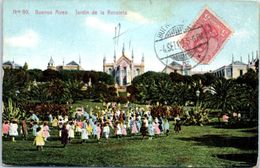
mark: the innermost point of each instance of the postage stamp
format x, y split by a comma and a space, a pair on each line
206, 38
200, 42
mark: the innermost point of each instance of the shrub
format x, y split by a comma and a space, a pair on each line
166, 111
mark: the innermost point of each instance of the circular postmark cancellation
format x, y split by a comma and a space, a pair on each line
201, 42
169, 40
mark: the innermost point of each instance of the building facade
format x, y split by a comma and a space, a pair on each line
70, 66
175, 67
236, 68
11, 65
123, 69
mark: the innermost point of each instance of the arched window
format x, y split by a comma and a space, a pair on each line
137, 71
110, 71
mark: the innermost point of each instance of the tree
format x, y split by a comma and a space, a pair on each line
250, 79
181, 94
25, 66
222, 95
106, 78
58, 91
71, 75
14, 81
75, 87
248, 94
209, 79
132, 90
49, 75
153, 86
176, 77
36, 93
35, 74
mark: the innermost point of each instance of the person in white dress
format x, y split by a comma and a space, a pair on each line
118, 130
106, 131
84, 132
13, 130
71, 130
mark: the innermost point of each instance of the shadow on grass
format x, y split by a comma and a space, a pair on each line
27, 150
234, 125
249, 158
53, 146
255, 130
244, 143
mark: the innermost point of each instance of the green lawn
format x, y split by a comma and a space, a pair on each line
195, 146
88, 104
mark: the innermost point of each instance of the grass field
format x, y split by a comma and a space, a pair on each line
195, 146
90, 104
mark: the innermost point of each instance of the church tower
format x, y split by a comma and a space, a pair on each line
51, 65
104, 64
132, 66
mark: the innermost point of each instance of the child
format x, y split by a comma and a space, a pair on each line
118, 129
50, 118
106, 131
64, 136
124, 132
34, 128
138, 123
156, 128
151, 129
71, 130
66, 119
54, 122
133, 127
31, 124
161, 125
45, 130
6, 128
166, 127
94, 129
60, 125
177, 127
89, 128
39, 141
24, 129
13, 130
143, 130
78, 127
98, 132
84, 132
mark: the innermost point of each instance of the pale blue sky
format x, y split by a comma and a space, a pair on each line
35, 38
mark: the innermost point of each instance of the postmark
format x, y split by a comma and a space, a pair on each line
166, 43
168, 49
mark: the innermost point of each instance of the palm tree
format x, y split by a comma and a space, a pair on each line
75, 87
248, 102
222, 95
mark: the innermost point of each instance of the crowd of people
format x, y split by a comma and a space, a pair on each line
87, 124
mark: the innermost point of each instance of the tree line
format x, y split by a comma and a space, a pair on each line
228, 95
29, 88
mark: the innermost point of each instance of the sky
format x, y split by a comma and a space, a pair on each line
35, 38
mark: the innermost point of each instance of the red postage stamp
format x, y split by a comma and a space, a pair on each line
205, 38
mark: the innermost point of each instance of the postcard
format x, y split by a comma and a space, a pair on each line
139, 83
